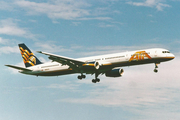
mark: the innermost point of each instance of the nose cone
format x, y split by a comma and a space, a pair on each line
171, 56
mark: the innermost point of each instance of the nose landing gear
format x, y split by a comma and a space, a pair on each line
155, 70
156, 66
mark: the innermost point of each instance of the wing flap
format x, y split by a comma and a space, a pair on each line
18, 68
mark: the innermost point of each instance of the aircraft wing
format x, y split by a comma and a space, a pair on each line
19, 68
72, 63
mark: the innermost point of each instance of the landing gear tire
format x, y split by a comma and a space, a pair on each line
155, 70
79, 77
83, 76
98, 80
156, 66
95, 80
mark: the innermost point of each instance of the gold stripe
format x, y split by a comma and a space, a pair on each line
107, 64
88, 65
24, 57
30, 63
165, 58
21, 50
27, 52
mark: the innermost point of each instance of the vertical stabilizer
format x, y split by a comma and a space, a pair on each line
28, 57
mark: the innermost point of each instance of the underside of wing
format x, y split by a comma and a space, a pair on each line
18, 68
72, 63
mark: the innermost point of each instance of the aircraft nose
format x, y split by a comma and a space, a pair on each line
171, 56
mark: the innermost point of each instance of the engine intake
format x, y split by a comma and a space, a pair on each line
96, 65
115, 73
91, 65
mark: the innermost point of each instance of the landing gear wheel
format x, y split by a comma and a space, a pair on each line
97, 80
83, 76
93, 80
79, 77
155, 70
156, 66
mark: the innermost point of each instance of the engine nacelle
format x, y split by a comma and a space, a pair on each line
96, 65
91, 65
115, 73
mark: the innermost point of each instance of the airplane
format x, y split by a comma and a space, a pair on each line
103, 64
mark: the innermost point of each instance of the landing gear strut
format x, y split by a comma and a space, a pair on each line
96, 79
156, 66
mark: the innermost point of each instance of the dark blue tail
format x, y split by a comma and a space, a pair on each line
28, 57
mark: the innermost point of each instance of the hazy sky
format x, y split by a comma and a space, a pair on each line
80, 28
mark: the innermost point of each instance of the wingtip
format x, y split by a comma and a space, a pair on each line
39, 51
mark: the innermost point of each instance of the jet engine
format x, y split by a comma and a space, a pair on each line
91, 65
115, 73
96, 65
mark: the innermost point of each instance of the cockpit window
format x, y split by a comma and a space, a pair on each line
165, 52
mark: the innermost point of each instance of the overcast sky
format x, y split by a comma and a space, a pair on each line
81, 28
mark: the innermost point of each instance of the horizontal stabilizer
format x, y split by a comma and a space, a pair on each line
19, 68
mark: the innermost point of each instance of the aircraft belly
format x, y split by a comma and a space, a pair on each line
56, 73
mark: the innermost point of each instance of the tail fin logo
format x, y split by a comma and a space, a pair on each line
140, 55
28, 57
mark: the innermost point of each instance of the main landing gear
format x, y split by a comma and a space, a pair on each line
81, 77
156, 66
96, 79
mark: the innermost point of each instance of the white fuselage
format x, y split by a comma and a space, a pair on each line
106, 62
